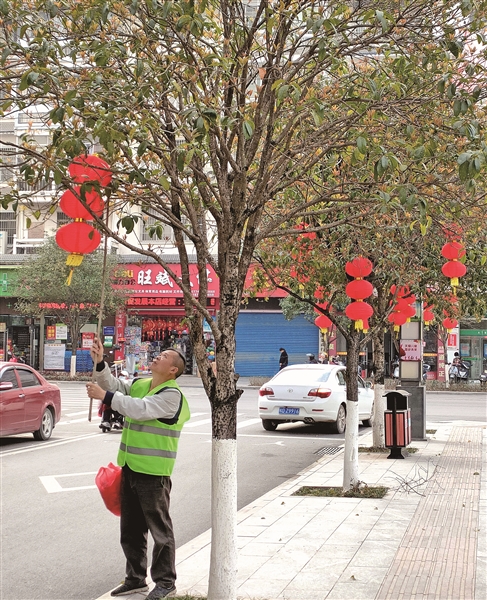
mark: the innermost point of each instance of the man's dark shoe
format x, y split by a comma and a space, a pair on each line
161, 592
129, 588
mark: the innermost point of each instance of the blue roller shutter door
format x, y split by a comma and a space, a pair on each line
260, 335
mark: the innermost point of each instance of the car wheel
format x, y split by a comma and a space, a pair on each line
269, 425
341, 422
47, 425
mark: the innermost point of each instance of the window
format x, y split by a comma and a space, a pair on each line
9, 376
167, 233
27, 378
341, 378
8, 160
62, 218
8, 223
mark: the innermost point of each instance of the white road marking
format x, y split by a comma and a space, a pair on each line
44, 445
196, 423
50, 482
247, 423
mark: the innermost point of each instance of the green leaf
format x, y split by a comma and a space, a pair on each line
248, 129
362, 144
142, 147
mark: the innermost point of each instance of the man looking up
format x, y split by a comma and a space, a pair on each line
155, 411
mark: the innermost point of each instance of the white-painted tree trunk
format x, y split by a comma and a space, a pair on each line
72, 368
380, 403
350, 458
223, 562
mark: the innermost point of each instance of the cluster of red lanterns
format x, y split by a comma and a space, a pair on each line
359, 289
404, 308
453, 252
80, 237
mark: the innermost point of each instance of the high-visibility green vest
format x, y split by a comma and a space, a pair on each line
151, 446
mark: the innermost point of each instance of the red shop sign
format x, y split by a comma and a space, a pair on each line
153, 280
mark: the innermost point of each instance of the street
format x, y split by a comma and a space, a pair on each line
59, 541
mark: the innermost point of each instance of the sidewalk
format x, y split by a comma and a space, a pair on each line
426, 539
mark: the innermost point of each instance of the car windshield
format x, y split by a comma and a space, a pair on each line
304, 376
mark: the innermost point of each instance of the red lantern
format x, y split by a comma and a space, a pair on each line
359, 267
71, 205
454, 269
359, 312
90, 167
405, 308
397, 319
453, 251
77, 238
359, 289
450, 324
402, 292
323, 323
428, 315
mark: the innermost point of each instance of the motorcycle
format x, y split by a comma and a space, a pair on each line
483, 379
459, 372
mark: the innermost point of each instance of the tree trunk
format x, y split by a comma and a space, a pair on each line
350, 464
380, 403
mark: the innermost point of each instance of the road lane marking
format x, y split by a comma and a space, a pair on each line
52, 485
196, 423
247, 423
44, 445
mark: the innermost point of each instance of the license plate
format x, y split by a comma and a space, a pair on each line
287, 410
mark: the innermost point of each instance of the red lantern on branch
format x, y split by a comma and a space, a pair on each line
449, 324
453, 252
359, 289
428, 315
359, 267
71, 205
90, 167
323, 323
77, 238
397, 319
359, 312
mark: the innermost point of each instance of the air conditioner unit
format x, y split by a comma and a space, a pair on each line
3, 242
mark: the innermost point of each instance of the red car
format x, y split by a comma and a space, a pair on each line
28, 402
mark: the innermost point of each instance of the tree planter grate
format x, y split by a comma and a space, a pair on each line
329, 450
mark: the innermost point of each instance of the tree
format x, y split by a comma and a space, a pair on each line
41, 289
208, 115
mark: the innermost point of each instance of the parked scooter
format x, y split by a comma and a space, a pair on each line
459, 372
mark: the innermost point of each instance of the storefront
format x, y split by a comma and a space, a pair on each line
154, 317
473, 347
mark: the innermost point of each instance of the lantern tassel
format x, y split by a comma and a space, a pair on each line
70, 277
359, 325
74, 259
454, 282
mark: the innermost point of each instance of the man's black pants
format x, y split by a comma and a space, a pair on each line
145, 507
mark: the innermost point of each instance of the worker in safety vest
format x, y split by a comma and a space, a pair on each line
155, 411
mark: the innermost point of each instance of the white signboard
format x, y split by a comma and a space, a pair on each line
54, 357
61, 331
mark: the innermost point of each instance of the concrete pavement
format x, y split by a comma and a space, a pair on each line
426, 539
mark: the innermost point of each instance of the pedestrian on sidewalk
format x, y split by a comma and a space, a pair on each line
155, 411
283, 359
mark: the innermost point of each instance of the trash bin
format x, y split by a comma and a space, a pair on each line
397, 422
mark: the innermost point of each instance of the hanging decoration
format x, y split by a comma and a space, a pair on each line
449, 324
80, 237
404, 308
359, 289
323, 323
428, 315
453, 252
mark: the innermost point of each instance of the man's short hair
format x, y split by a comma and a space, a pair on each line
179, 362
